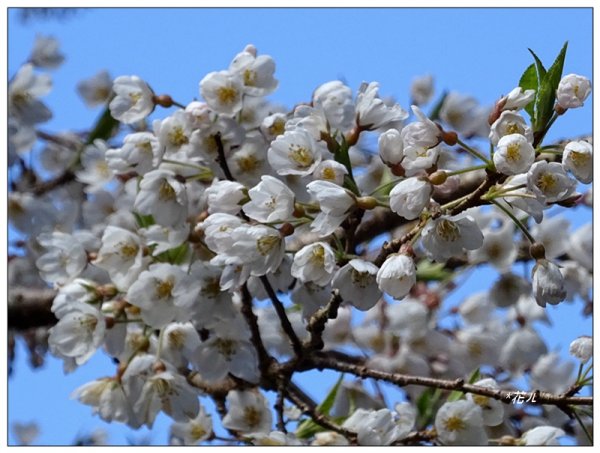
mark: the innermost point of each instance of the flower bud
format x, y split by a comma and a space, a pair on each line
438, 177
287, 229
164, 100
537, 251
366, 203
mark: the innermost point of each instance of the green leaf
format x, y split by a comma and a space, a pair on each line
104, 128
426, 405
529, 81
435, 112
143, 221
455, 395
175, 255
540, 73
428, 271
547, 91
308, 428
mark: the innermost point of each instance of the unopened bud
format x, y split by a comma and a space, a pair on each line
159, 367
132, 309
298, 211
164, 100
560, 110
438, 177
109, 321
287, 229
366, 203
398, 170
537, 251
497, 110
407, 249
449, 138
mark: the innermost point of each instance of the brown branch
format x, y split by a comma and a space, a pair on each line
29, 308
316, 324
264, 359
402, 380
47, 186
285, 322
392, 247
308, 407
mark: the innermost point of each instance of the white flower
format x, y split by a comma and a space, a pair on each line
248, 412
545, 232
167, 390
375, 427
109, 400
357, 285
95, 90
397, 276
422, 134
572, 91
460, 423
227, 350
273, 125
314, 263
492, 410
532, 204
372, 112
582, 348
421, 89
270, 201
65, 259
46, 53
163, 293
95, 171
162, 196
163, 238
522, 348
408, 319
330, 170
133, 101
514, 154
225, 196
327, 438
274, 438
542, 435
498, 248
256, 71
410, 196
335, 99
577, 158
140, 153
548, 283
217, 231
391, 147
260, 249
335, 204
510, 123
463, 113
23, 92
223, 91
193, 431
476, 308
551, 374
448, 236
78, 333
581, 246
517, 99
295, 153
174, 133
121, 255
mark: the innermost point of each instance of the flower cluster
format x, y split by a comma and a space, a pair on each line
162, 238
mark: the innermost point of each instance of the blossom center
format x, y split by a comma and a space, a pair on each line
164, 288
512, 152
166, 191
197, 431
329, 174
301, 156
513, 128
252, 416
454, 423
247, 163
447, 230
135, 97
129, 250
226, 347
361, 279
277, 128
227, 95
266, 243
176, 338
250, 78
546, 182
177, 137
318, 256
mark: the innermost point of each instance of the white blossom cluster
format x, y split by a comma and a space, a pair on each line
164, 230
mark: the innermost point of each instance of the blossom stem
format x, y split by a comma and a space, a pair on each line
386, 185
466, 170
474, 152
517, 222
583, 427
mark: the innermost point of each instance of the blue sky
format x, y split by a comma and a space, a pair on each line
481, 52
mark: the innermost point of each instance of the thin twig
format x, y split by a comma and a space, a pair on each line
264, 360
316, 324
505, 396
307, 406
285, 322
